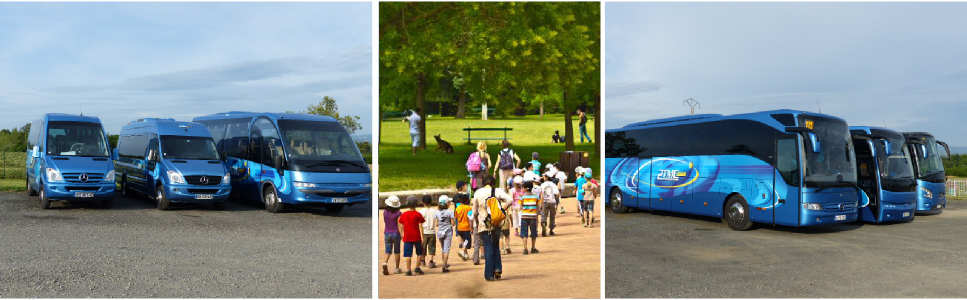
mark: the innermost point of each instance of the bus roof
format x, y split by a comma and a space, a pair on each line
165, 127
761, 116
869, 131
272, 116
70, 117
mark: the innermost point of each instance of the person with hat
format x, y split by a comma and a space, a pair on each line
590, 194
445, 222
391, 232
535, 161
579, 190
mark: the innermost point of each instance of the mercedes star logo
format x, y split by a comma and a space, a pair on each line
338, 170
83, 177
204, 180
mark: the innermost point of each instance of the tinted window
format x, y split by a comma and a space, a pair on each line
751, 138
670, 141
645, 141
187, 147
703, 138
133, 146
230, 135
787, 160
621, 144
76, 139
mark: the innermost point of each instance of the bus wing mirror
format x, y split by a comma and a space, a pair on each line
221, 155
36, 152
887, 147
945, 147
813, 141
152, 155
923, 151
115, 154
279, 161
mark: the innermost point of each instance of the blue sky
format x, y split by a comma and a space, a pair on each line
123, 61
899, 65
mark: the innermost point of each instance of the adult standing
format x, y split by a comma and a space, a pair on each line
414, 119
488, 232
582, 124
507, 161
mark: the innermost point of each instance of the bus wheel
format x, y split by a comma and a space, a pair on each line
334, 208
30, 190
736, 213
161, 199
617, 206
44, 201
272, 202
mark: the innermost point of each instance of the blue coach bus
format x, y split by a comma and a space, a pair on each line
283, 159
173, 161
68, 158
781, 167
885, 174
929, 171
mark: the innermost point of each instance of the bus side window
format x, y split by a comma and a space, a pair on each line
787, 160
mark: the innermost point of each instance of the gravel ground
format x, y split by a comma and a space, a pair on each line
135, 251
656, 255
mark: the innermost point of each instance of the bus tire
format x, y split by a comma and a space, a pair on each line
161, 199
617, 205
334, 208
736, 213
271, 199
219, 205
30, 190
44, 201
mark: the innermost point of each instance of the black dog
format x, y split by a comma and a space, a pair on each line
443, 145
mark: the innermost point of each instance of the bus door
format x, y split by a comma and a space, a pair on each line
643, 184
867, 175
150, 171
788, 187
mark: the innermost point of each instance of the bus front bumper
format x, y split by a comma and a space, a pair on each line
818, 217
322, 197
79, 191
898, 211
197, 193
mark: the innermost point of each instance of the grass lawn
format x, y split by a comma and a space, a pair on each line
12, 185
399, 170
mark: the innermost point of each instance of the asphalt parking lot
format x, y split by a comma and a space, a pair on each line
655, 255
136, 251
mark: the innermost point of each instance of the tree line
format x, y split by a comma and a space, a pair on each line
507, 55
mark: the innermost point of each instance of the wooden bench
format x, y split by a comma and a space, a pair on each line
470, 129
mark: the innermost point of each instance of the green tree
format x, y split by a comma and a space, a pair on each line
328, 107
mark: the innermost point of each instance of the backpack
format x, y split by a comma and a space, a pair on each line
496, 212
473, 162
506, 159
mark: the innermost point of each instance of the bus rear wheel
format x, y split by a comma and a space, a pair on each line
271, 199
736, 213
617, 206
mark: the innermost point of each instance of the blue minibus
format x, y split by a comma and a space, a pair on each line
885, 174
291, 159
172, 161
929, 171
781, 167
68, 158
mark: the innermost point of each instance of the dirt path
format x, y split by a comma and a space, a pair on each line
568, 266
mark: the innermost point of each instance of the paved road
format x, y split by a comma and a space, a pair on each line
652, 255
137, 251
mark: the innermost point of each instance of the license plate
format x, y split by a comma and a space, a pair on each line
84, 195
906, 214
340, 200
203, 197
840, 217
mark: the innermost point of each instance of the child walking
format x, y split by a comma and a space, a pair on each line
444, 230
590, 194
530, 209
428, 212
410, 225
464, 228
391, 232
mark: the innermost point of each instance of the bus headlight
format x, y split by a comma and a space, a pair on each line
109, 177
926, 192
54, 175
175, 177
812, 206
304, 184
227, 178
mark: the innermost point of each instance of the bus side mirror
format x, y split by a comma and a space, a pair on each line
923, 149
887, 147
36, 152
945, 147
152, 155
221, 154
814, 141
279, 161
115, 154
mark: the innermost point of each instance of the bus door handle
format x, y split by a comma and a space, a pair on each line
782, 201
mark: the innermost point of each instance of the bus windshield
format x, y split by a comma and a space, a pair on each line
896, 170
67, 138
834, 165
931, 166
315, 146
188, 147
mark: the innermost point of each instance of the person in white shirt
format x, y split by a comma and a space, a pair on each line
550, 196
414, 119
429, 230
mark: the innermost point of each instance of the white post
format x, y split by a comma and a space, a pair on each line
483, 111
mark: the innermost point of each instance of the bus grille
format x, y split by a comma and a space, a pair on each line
76, 177
203, 191
834, 207
196, 180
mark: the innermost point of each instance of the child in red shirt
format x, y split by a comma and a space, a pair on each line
410, 225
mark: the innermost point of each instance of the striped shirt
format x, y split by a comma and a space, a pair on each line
528, 209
